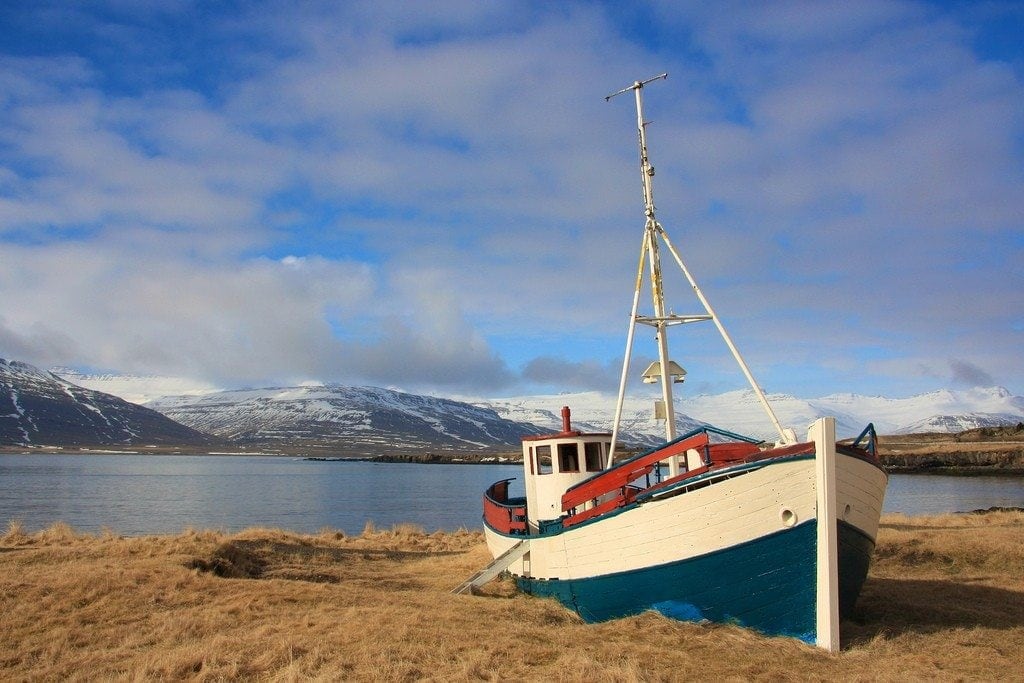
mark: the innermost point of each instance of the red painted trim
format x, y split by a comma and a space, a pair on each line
678, 478
737, 451
567, 430
720, 455
505, 518
782, 451
616, 479
607, 506
630, 470
564, 435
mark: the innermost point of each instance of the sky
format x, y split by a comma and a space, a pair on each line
436, 196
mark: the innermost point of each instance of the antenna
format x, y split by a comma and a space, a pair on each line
637, 84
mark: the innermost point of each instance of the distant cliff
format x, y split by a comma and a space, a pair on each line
986, 450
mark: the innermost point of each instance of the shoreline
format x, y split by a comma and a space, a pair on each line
974, 453
956, 471
960, 464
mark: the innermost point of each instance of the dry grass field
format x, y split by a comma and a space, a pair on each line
944, 601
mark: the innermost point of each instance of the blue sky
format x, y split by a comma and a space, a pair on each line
436, 197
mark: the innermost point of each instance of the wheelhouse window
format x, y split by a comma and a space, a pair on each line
568, 457
543, 460
592, 456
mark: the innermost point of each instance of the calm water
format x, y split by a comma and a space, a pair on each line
134, 495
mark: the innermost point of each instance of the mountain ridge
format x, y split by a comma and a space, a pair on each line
941, 410
38, 408
354, 420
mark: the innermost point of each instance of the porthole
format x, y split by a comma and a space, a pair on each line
788, 517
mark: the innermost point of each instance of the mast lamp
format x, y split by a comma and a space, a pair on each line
653, 372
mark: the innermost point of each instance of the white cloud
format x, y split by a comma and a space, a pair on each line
254, 321
437, 195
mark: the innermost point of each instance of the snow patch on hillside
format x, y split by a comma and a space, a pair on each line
943, 410
138, 389
353, 417
740, 411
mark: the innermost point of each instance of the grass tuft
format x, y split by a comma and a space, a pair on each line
58, 532
15, 533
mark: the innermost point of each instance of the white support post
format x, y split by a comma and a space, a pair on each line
758, 391
629, 350
823, 434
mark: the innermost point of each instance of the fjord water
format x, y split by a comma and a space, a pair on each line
139, 494
143, 494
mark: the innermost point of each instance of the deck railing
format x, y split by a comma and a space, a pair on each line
503, 514
616, 485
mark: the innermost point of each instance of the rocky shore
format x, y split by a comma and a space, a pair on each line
977, 452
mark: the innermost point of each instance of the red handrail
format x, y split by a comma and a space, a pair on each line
619, 477
622, 474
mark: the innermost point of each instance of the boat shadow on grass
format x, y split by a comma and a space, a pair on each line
892, 607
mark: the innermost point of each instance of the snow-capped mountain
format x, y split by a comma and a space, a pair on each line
591, 412
39, 408
952, 424
138, 389
740, 411
271, 414
349, 419
943, 411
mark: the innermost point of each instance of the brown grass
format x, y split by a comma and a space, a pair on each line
945, 601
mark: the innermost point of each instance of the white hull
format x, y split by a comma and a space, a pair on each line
731, 511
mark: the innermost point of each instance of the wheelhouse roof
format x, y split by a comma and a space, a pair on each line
567, 435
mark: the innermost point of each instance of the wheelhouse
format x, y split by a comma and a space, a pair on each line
554, 463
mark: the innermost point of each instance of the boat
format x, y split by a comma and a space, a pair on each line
708, 526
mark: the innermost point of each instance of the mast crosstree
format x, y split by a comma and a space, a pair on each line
650, 261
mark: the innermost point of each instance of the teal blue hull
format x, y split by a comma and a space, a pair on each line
768, 584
